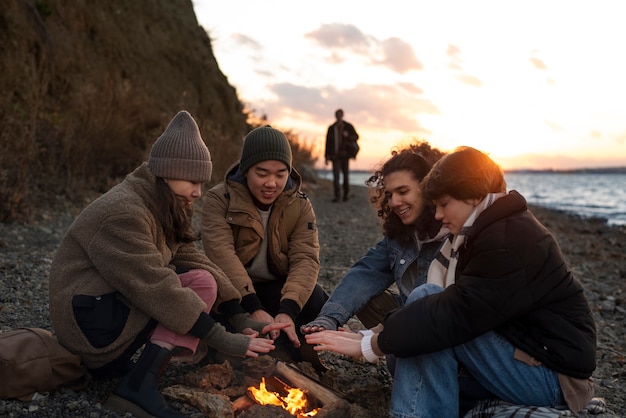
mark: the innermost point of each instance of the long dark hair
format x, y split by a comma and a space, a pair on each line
176, 220
417, 158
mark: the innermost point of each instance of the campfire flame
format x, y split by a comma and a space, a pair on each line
295, 402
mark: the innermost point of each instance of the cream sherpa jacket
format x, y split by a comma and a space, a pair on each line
117, 244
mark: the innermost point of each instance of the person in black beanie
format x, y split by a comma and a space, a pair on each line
260, 229
128, 274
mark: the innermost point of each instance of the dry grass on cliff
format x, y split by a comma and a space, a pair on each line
87, 88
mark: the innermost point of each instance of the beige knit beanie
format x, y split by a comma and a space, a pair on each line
262, 144
180, 153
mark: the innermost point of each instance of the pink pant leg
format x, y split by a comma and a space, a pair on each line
203, 283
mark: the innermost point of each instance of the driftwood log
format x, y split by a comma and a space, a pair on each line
294, 378
283, 376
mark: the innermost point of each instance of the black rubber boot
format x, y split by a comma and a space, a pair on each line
138, 392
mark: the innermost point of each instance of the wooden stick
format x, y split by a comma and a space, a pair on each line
295, 378
242, 402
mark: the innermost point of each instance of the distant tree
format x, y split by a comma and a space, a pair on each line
304, 151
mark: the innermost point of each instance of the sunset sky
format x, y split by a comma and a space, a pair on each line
536, 84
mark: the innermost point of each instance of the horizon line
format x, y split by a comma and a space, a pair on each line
595, 170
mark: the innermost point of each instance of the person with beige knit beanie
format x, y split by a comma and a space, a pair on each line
260, 229
128, 276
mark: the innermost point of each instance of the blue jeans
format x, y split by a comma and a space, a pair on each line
429, 385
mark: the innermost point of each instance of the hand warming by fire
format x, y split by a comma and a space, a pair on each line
341, 341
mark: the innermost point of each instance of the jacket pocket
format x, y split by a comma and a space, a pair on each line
100, 318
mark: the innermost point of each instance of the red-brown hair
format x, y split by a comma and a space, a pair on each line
464, 174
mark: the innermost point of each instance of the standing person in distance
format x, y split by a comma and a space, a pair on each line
340, 139
128, 274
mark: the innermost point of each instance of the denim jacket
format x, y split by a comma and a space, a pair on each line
386, 263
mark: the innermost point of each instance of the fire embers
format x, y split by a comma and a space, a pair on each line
219, 390
293, 400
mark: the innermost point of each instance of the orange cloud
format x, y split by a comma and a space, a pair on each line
337, 35
538, 64
399, 56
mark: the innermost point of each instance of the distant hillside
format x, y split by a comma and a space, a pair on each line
86, 88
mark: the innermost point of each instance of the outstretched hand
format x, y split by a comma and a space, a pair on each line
320, 323
289, 329
284, 322
267, 329
342, 342
262, 316
258, 344
310, 328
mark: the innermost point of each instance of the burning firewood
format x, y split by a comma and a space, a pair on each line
210, 389
293, 376
288, 388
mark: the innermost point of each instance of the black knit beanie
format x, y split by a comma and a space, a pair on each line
180, 153
262, 144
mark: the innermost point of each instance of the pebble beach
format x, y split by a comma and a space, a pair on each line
594, 250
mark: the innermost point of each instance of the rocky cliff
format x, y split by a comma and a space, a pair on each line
87, 86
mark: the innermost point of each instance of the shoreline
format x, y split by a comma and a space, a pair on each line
586, 206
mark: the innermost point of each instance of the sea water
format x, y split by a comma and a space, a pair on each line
585, 194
